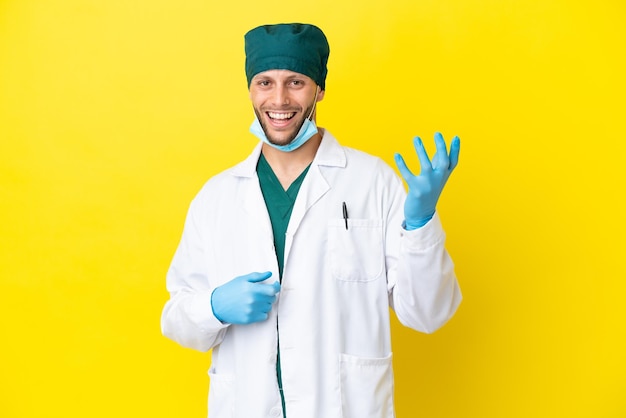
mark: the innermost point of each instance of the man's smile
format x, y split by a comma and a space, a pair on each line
281, 115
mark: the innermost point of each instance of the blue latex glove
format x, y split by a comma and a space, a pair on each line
244, 300
425, 189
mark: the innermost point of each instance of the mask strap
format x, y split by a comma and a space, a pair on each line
317, 89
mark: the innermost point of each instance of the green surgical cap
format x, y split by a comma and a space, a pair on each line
287, 46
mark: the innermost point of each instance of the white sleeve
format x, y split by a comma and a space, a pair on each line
187, 316
422, 285
426, 293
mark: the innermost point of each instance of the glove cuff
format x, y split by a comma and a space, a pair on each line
410, 225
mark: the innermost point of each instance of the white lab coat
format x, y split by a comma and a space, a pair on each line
332, 314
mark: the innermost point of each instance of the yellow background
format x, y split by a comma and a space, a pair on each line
114, 113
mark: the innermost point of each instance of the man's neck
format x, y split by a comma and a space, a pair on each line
287, 166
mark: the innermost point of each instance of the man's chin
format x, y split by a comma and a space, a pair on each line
281, 142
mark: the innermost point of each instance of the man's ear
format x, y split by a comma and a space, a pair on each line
320, 95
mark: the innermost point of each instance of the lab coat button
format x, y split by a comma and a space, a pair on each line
275, 412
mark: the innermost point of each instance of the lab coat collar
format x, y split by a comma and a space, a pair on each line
329, 154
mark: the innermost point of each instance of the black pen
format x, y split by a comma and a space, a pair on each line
345, 214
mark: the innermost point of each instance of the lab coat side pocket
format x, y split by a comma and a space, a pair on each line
356, 254
221, 395
366, 387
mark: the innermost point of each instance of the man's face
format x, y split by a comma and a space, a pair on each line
282, 100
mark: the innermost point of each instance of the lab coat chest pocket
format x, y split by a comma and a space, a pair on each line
356, 254
366, 387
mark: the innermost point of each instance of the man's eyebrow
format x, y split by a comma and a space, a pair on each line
287, 78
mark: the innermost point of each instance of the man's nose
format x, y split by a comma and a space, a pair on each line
280, 96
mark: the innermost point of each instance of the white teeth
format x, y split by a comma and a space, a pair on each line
280, 116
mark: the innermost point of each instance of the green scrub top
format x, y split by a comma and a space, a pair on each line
279, 203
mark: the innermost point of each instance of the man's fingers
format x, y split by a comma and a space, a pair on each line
441, 159
404, 170
267, 289
455, 148
262, 288
258, 277
276, 286
422, 155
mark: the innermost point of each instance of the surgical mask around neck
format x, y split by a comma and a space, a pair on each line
306, 132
